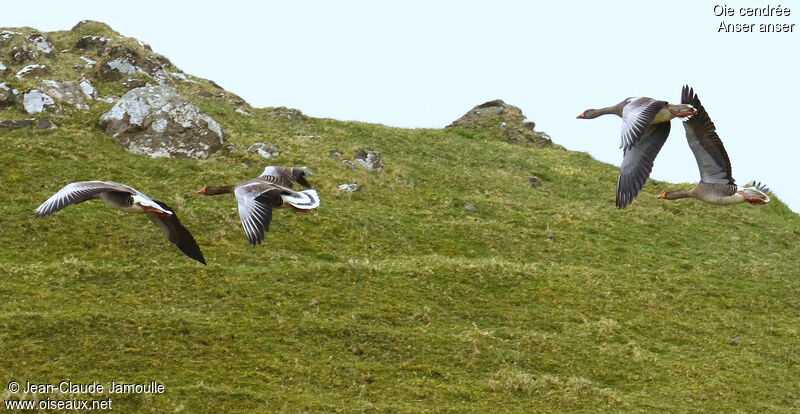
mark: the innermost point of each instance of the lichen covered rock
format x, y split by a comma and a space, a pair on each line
158, 122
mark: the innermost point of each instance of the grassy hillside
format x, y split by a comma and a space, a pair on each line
393, 298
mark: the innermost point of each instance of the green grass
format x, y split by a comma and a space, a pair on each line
393, 298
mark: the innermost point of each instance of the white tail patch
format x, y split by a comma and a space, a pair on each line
757, 190
302, 200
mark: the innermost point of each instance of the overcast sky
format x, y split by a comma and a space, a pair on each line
426, 63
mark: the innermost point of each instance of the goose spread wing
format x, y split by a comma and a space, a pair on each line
78, 192
256, 201
176, 233
637, 163
636, 117
712, 159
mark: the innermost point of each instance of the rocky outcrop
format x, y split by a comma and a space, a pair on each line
504, 121
156, 121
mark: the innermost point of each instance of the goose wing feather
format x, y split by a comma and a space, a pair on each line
78, 192
177, 233
256, 201
636, 118
712, 159
637, 163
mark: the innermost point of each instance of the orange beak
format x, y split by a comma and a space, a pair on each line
201, 191
579, 116
662, 195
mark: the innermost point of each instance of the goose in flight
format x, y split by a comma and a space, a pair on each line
645, 127
127, 199
716, 184
272, 189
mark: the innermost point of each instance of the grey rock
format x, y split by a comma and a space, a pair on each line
264, 149
551, 236
158, 122
89, 62
349, 164
470, 208
45, 123
32, 71
12, 124
371, 160
3, 69
735, 342
88, 89
242, 111
34, 101
349, 188
533, 181
335, 155
41, 44
67, 92
309, 137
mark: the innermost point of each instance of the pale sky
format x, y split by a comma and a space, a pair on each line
425, 63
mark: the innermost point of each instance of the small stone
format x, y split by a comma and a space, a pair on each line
89, 62
335, 155
46, 123
242, 111
309, 137
735, 342
264, 149
533, 181
349, 164
551, 236
349, 188
309, 172
470, 208
371, 160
